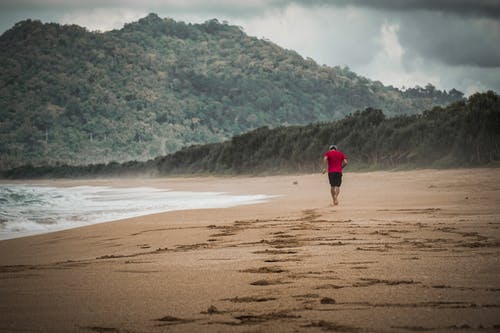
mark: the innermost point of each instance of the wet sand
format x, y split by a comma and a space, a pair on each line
405, 251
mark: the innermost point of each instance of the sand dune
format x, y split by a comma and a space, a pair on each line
403, 252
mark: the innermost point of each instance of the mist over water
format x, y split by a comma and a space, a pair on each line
29, 210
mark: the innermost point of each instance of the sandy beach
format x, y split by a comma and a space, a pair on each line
405, 251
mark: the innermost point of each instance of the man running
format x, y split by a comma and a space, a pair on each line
336, 161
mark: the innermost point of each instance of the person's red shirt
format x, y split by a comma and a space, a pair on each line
335, 158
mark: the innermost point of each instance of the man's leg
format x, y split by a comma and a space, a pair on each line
336, 189
332, 191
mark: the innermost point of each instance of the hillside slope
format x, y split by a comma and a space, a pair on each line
68, 95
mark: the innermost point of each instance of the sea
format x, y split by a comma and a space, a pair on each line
29, 210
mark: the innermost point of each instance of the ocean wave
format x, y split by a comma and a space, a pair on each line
28, 210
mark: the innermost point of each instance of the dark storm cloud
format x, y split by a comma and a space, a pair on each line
469, 42
227, 6
486, 8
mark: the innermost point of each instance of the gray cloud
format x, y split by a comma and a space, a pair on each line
486, 8
229, 6
468, 42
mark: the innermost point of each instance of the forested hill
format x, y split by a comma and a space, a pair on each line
68, 95
463, 134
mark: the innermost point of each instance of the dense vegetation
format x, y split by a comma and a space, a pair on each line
72, 96
464, 133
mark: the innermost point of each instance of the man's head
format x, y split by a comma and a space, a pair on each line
333, 147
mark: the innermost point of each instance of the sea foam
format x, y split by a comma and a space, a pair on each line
29, 210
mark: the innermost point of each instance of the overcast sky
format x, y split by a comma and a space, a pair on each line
449, 43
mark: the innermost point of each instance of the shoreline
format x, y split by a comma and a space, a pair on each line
403, 251
36, 209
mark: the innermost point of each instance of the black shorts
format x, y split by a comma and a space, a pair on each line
335, 178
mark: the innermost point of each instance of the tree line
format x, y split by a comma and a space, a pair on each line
462, 134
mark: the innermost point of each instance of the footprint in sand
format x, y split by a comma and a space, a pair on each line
265, 270
267, 282
250, 299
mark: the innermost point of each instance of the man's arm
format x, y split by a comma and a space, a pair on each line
344, 162
325, 162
